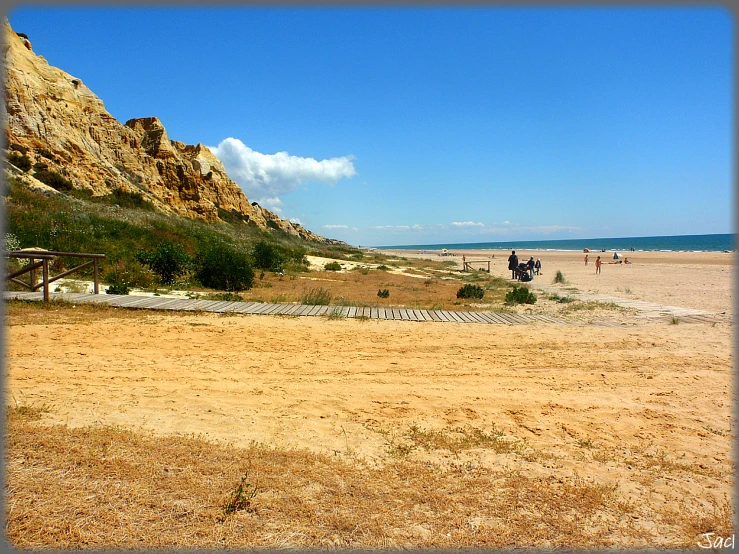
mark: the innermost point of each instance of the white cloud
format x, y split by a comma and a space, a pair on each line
467, 224
295, 220
335, 227
391, 227
266, 176
273, 204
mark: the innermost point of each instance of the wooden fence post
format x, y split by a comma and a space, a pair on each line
95, 274
45, 274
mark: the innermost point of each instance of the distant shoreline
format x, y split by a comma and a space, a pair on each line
672, 243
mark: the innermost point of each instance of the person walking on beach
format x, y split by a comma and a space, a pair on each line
513, 263
537, 266
530, 266
586, 259
597, 265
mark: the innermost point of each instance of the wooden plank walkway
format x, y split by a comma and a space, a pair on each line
265, 308
646, 309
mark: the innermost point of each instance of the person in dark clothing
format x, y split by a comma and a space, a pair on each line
530, 266
513, 263
522, 274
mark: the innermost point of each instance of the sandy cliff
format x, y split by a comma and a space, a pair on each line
65, 126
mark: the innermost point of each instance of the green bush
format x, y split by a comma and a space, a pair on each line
266, 256
117, 288
223, 267
520, 295
559, 278
127, 199
53, 179
20, 161
168, 260
332, 266
125, 274
383, 293
471, 291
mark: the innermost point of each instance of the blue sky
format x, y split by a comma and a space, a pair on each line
420, 125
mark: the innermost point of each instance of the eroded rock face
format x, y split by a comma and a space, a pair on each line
66, 127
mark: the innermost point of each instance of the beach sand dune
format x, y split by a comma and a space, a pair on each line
646, 407
698, 280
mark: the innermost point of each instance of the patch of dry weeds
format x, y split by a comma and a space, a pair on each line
109, 487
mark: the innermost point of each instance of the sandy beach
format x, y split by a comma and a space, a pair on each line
699, 280
604, 404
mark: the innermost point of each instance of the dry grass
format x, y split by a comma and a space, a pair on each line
107, 487
359, 288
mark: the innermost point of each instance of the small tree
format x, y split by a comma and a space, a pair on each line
168, 260
222, 267
266, 256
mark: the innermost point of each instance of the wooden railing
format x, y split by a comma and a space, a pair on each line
44, 257
467, 266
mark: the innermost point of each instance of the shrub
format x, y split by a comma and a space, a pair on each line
383, 293
559, 278
20, 161
127, 199
266, 256
53, 179
297, 267
168, 260
11, 242
223, 267
383, 267
520, 295
229, 217
117, 288
471, 291
332, 266
317, 297
126, 274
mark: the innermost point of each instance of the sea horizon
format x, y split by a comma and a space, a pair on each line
723, 242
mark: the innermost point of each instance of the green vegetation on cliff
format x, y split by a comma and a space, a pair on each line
118, 228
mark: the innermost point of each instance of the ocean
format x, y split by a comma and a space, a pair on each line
677, 243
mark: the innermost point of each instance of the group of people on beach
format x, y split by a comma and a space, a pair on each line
599, 263
523, 271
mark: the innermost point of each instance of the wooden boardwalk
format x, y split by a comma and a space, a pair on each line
264, 308
646, 310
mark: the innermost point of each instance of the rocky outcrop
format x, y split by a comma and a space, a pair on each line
63, 125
